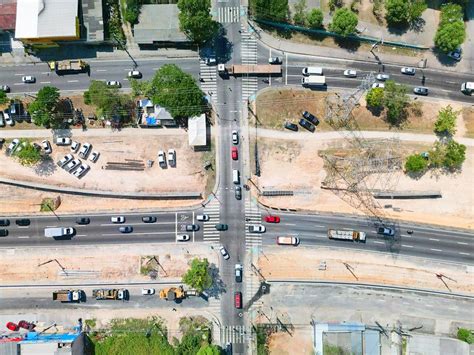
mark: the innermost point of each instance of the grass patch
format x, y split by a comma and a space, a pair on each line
49, 204
262, 340
91, 323
468, 117
210, 156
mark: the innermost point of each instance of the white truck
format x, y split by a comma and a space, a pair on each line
59, 232
352, 235
467, 88
313, 80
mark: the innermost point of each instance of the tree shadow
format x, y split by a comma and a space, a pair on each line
417, 25
349, 44
219, 47
443, 58
46, 167
218, 286
398, 29
376, 111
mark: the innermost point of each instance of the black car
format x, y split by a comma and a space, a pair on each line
238, 192
192, 227
4, 88
222, 227
310, 117
4, 222
83, 220
291, 126
3, 232
420, 90
308, 125
148, 219
23, 222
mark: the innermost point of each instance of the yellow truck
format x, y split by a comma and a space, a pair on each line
68, 66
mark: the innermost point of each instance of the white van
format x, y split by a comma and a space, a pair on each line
312, 71
288, 241
236, 177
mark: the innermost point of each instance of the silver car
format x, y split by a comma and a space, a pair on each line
382, 77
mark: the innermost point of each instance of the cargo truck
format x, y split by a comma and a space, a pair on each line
68, 295
313, 80
110, 294
352, 235
69, 66
59, 232
250, 69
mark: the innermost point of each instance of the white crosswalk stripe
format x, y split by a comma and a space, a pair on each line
228, 14
208, 74
249, 56
233, 334
211, 235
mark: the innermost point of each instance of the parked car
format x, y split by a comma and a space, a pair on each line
23, 222
94, 156
257, 228
135, 74
421, 90
378, 85
161, 158
308, 125
148, 219
274, 60
202, 217
2, 119
456, 54
224, 253
350, 73
72, 165
235, 153
238, 192
117, 219
13, 146
83, 220
4, 222
26, 325
85, 150
8, 119
211, 61
238, 272
4, 88
126, 229
63, 141
310, 117
37, 146
171, 157
382, 77
386, 231
75, 146
182, 237
65, 160
12, 326
238, 300
192, 227
3, 232
221, 227
272, 219
47, 147
114, 84
148, 291
81, 171
291, 126
235, 137
28, 79
408, 70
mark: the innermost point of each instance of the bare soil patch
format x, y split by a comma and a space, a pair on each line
282, 343
468, 118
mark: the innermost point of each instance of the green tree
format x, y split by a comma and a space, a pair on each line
28, 155
3, 97
178, 92
397, 11
209, 349
300, 17
132, 11
274, 10
415, 163
333, 4
315, 18
436, 155
344, 22
455, 155
417, 7
446, 122
195, 20
395, 102
107, 99
374, 97
451, 31
198, 276
465, 335
43, 108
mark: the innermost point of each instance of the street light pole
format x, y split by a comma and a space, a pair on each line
135, 64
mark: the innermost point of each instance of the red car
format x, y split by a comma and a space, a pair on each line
272, 219
238, 300
235, 153
12, 326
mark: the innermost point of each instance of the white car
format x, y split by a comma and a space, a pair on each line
224, 253
84, 152
274, 60
114, 84
28, 79
235, 137
182, 237
350, 73
13, 146
94, 156
135, 74
382, 77
117, 219
408, 71
8, 119
257, 228
72, 165
46, 147
148, 291
211, 61
161, 158
63, 141
67, 158
84, 168
378, 85
75, 146
202, 217
172, 157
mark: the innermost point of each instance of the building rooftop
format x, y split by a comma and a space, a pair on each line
93, 20
197, 132
7, 14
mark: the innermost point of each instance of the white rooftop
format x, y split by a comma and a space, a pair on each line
197, 134
46, 18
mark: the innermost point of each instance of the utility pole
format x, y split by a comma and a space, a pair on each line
135, 64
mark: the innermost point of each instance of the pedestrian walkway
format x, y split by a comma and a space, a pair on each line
249, 56
233, 334
253, 215
208, 79
211, 235
228, 14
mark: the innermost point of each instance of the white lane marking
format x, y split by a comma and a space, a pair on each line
45, 72
435, 249
73, 81
406, 236
81, 235
290, 224
45, 82
19, 74
176, 226
23, 237
407, 246
101, 70
319, 226
462, 243
18, 84
124, 234
23, 227
428, 305
286, 68
464, 253
377, 242
134, 224
434, 239
51, 226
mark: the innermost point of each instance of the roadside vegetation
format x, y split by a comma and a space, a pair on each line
451, 31
262, 333
466, 335
198, 275
45, 108
344, 22
401, 13
195, 20
3, 97
113, 21
393, 101
28, 155
132, 11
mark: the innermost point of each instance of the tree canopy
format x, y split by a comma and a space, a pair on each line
43, 108
198, 276
132, 11
401, 12
415, 163
3, 97
28, 155
195, 20
375, 97
344, 22
315, 18
178, 92
451, 31
209, 349
300, 17
446, 122
108, 100
274, 10
455, 155
395, 102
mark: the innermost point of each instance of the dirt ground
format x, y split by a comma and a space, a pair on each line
468, 118
282, 343
371, 268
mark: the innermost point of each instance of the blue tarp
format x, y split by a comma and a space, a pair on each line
151, 121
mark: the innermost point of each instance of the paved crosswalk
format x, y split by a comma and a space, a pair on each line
208, 74
249, 56
211, 235
228, 14
233, 334
253, 215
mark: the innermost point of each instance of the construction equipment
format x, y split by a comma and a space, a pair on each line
68, 66
110, 294
176, 293
250, 69
68, 295
352, 235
